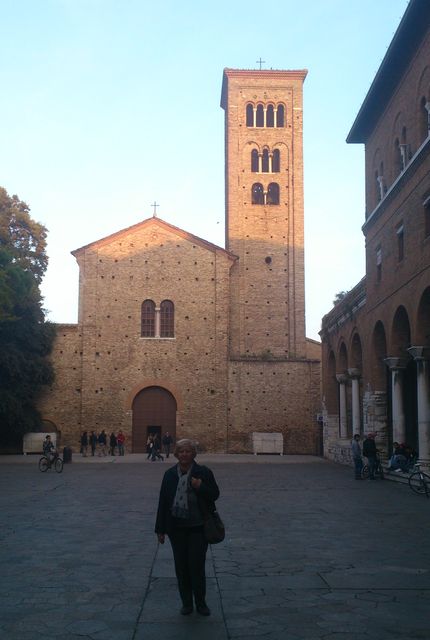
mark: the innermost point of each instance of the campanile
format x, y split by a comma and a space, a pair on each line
264, 211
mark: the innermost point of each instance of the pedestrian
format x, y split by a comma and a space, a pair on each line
120, 441
93, 442
102, 441
156, 455
149, 445
112, 443
84, 444
167, 441
356, 456
370, 452
188, 490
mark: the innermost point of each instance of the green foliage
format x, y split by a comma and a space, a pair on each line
25, 337
339, 297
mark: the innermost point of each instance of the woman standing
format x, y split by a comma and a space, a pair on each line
188, 490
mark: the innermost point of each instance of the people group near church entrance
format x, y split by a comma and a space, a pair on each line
153, 446
98, 443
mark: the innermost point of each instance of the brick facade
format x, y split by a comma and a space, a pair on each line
238, 360
369, 337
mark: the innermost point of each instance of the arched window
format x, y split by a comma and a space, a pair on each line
265, 161
254, 161
270, 116
257, 193
260, 116
280, 116
273, 193
148, 319
276, 161
398, 164
167, 319
424, 119
249, 115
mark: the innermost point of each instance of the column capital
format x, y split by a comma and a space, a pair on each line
419, 353
354, 373
395, 363
342, 378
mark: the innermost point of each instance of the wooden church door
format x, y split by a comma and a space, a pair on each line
154, 410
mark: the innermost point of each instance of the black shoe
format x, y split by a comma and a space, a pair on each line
203, 609
186, 610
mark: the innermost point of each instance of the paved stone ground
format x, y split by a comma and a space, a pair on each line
310, 554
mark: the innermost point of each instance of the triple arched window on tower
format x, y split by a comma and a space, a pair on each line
266, 161
262, 115
260, 195
157, 322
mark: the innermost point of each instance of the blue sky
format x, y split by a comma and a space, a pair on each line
109, 105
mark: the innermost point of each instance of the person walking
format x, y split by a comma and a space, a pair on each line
356, 456
84, 444
93, 442
149, 445
120, 441
156, 455
112, 443
167, 442
187, 491
370, 452
102, 441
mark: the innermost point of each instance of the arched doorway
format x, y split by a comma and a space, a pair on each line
154, 411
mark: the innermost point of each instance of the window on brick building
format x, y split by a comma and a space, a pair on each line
270, 116
400, 233
398, 164
426, 205
280, 116
148, 319
257, 193
254, 161
273, 193
276, 161
265, 161
259, 116
167, 319
424, 118
378, 264
249, 115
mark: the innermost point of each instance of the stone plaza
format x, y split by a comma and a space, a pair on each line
310, 553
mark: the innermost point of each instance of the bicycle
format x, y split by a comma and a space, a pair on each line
419, 481
378, 471
45, 463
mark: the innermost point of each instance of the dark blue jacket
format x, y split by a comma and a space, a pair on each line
206, 494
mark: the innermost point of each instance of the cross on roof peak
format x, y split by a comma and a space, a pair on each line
155, 205
260, 62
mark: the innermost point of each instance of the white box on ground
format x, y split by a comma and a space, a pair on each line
267, 442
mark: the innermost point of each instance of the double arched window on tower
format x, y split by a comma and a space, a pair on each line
266, 161
269, 196
157, 322
261, 115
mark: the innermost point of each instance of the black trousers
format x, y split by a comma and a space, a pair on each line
189, 552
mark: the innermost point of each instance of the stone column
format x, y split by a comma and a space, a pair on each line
342, 379
421, 355
157, 322
397, 366
354, 374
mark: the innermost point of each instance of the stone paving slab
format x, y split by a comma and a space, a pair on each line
309, 554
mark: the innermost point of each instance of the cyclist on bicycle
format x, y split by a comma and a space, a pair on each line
49, 449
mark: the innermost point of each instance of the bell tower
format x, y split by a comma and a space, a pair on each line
264, 211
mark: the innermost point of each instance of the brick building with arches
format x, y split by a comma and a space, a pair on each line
376, 340
177, 334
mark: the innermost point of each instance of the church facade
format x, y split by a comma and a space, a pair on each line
177, 334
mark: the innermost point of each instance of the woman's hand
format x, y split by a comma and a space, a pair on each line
161, 538
195, 483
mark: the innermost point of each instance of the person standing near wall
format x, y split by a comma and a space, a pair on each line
356, 456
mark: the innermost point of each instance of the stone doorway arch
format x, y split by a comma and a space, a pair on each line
154, 411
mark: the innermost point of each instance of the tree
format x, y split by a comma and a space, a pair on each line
339, 297
26, 338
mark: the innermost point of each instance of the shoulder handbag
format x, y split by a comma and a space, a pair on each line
213, 527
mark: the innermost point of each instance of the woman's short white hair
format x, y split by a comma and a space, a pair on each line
185, 442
